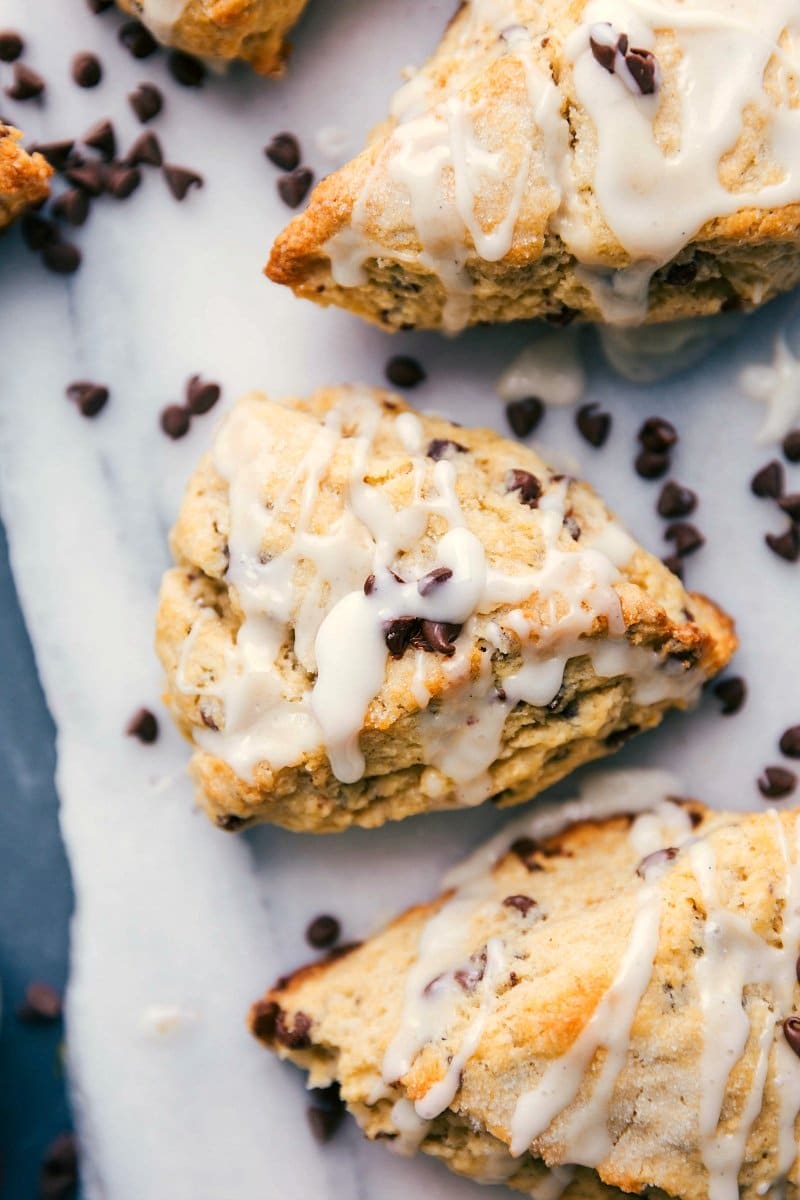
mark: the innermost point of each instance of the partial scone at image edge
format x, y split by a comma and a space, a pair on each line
376, 614
24, 177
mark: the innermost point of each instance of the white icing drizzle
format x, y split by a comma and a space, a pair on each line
161, 15
550, 369
777, 386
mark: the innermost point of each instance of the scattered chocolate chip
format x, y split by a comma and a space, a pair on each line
443, 448
767, 483
369, 585
230, 822
676, 500
322, 932
681, 274
180, 179
11, 46
28, 84
731, 693
90, 176
524, 415
38, 232
404, 372
603, 44
263, 1019
790, 742
201, 397
58, 154
72, 206
593, 425
58, 1174
786, 545
86, 70
283, 151
62, 258
439, 636
649, 464
791, 1031
523, 904
527, 485
658, 435
777, 783
137, 40
145, 151
791, 505
643, 68
185, 69
294, 1036
99, 6
143, 725
687, 538
294, 186
90, 398
122, 180
101, 137
791, 446
40, 1006
175, 420
431, 581
666, 854
146, 102
673, 563
325, 1114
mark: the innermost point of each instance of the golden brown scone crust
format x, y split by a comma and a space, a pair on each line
734, 262
199, 617
24, 178
335, 1018
252, 30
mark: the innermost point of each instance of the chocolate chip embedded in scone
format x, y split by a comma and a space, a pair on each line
24, 178
376, 613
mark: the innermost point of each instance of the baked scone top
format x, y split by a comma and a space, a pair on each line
609, 992
602, 134
369, 563
24, 178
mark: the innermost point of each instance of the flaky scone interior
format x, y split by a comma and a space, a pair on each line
24, 178
376, 613
596, 1005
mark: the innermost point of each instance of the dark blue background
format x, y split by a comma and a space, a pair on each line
35, 903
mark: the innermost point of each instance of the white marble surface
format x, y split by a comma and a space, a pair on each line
170, 911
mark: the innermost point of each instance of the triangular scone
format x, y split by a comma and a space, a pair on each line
619, 160
610, 1002
377, 613
24, 178
252, 30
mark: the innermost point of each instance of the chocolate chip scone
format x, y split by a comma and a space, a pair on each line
252, 30
376, 613
602, 1005
616, 160
24, 178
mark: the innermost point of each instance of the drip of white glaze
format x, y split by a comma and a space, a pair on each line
161, 15
652, 353
411, 1129
777, 386
550, 369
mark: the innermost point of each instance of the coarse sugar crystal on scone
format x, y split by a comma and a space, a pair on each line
376, 613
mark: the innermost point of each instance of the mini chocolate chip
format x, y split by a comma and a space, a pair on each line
58, 1174
767, 483
294, 1036
38, 232
643, 68
143, 725
145, 151
180, 179
572, 527
791, 1031
681, 274
28, 84
777, 782
323, 1122
230, 822
604, 52
731, 693
439, 636
369, 585
201, 397
676, 500
404, 372
469, 977
137, 40
283, 151
526, 485
398, 633
786, 545
524, 415
323, 931
58, 154
99, 6
657, 434
525, 849
41, 1005
72, 206
443, 448
101, 137
294, 186
791, 446
673, 563
11, 46
649, 464
666, 854
90, 398
62, 258
687, 538
523, 904
146, 102
593, 425
790, 742
263, 1018
90, 176
431, 581
122, 180
175, 420
791, 505
185, 69
87, 70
